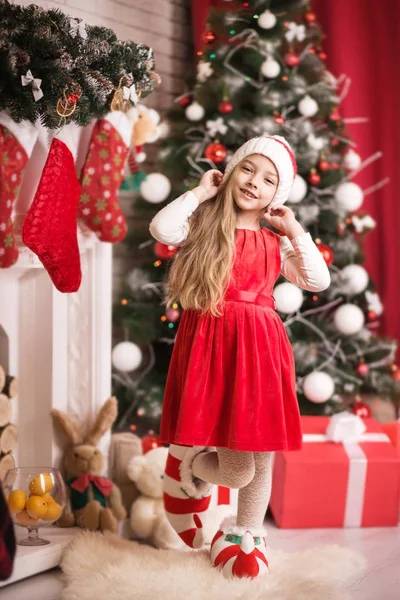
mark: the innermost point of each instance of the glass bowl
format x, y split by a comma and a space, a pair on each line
36, 497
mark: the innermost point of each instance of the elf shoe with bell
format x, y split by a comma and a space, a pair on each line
186, 498
239, 552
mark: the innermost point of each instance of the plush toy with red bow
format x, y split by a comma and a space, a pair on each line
146, 130
94, 501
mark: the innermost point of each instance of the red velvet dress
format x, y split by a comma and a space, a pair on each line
231, 381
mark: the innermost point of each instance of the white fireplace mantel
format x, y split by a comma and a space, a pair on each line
59, 347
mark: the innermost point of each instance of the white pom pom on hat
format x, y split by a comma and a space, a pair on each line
278, 150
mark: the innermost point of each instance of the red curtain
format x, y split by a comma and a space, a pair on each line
363, 42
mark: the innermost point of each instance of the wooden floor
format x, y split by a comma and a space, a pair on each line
381, 547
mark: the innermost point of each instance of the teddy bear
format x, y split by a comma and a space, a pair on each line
146, 130
94, 502
147, 516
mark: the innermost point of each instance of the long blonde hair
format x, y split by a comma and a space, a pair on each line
200, 272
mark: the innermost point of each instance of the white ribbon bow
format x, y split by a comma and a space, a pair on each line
204, 71
361, 223
130, 93
36, 83
77, 27
217, 126
344, 427
295, 32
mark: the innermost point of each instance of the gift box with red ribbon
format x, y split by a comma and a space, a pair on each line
223, 495
346, 475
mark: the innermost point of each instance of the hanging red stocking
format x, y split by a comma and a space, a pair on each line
16, 144
50, 226
102, 175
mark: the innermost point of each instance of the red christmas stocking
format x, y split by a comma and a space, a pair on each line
16, 144
50, 226
102, 175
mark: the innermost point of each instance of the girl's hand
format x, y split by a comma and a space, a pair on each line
282, 218
208, 186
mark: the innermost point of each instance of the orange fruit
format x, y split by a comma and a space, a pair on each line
53, 513
48, 498
41, 484
24, 519
36, 507
16, 501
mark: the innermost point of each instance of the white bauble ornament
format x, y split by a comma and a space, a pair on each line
126, 356
349, 196
316, 143
355, 279
154, 115
155, 188
318, 387
307, 106
288, 298
267, 20
349, 319
298, 191
351, 160
194, 112
164, 130
270, 68
140, 157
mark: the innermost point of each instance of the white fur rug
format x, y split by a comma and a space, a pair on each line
100, 567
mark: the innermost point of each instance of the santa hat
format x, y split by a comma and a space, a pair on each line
278, 150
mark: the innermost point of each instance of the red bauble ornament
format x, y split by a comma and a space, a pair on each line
310, 17
278, 118
225, 107
395, 372
341, 228
323, 165
208, 37
185, 101
335, 141
172, 314
164, 251
149, 442
361, 410
216, 152
334, 166
371, 315
362, 369
335, 115
327, 253
322, 55
314, 178
291, 59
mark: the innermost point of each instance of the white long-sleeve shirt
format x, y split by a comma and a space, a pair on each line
301, 261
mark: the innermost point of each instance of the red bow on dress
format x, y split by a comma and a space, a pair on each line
103, 485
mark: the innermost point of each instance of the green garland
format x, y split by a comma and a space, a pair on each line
76, 64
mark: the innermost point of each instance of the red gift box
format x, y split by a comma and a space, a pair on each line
392, 430
328, 484
224, 495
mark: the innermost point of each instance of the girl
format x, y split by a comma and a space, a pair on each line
230, 397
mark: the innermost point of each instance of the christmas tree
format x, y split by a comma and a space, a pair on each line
262, 71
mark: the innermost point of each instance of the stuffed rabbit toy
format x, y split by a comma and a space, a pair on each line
94, 501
